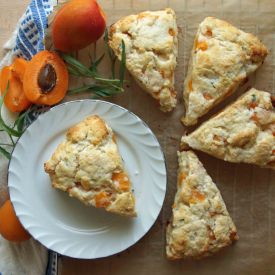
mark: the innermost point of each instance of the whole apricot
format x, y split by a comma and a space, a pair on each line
77, 24
10, 227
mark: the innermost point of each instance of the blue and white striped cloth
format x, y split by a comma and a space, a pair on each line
26, 40
32, 27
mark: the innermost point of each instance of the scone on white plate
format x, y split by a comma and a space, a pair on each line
88, 166
151, 51
242, 132
200, 225
222, 58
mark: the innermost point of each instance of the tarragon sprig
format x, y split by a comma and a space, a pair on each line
101, 86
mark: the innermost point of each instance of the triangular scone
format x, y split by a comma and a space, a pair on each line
151, 50
200, 224
89, 167
222, 58
242, 132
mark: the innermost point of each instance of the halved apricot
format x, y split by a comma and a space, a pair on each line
46, 79
15, 99
18, 67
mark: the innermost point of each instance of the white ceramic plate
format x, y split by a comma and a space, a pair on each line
64, 224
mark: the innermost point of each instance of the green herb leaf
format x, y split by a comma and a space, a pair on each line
81, 89
98, 61
94, 65
122, 64
98, 90
103, 87
11, 139
78, 69
9, 130
25, 117
5, 153
73, 71
19, 122
106, 80
111, 55
6, 144
77, 66
104, 91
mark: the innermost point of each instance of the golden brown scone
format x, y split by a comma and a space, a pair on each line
242, 132
222, 58
89, 167
151, 50
200, 224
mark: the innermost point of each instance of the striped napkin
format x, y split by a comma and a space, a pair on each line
27, 38
30, 257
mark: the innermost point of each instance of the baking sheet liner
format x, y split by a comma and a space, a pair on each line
248, 191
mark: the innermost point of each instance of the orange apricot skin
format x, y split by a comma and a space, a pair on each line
30, 82
18, 67
15, 99
10, 227
78, 24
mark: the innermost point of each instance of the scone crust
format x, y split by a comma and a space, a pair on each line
200, 223
84, 164
242, 132
222, 58
151, 50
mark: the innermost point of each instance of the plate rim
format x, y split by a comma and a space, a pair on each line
125, 110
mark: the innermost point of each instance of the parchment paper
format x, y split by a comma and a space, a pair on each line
248, 191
